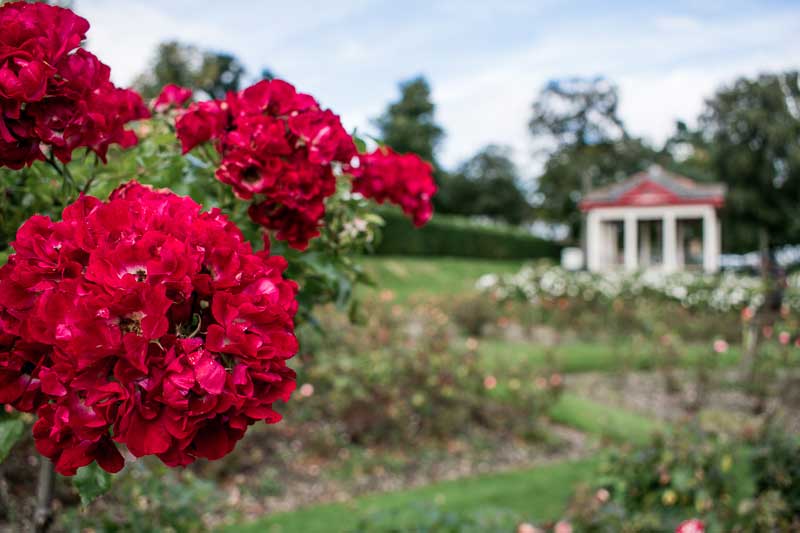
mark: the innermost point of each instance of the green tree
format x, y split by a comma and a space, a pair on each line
409, 125
753, 129
487, 184
567, 171
577, 112
687, 152
576, 123
213, 73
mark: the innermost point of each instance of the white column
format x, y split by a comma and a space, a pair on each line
711, 240
594, 236
669, 236
631, 242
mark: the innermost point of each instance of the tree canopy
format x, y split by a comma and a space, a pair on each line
409, 125
211, 72
487, 184
585, 144
577, 112
753, 130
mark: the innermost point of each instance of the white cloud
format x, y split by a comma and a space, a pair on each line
665, 69
351, 55
126, 35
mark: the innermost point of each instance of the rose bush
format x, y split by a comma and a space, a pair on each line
142, 322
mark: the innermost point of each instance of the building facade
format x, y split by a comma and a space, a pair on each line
654, 220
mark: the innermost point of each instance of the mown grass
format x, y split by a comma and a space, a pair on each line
539, 493
543, 490
604, 421
437, 276
573, 357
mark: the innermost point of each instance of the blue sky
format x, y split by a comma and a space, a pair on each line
485, 60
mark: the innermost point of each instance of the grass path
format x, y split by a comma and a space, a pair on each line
544, 490
440, 276
604, 421
579, 356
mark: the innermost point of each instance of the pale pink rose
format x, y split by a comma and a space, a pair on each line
720, 346
562, 526
691, 526
490, 382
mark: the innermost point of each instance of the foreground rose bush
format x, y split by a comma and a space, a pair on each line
146, 322
54, 94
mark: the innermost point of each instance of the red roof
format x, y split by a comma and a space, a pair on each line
655, 187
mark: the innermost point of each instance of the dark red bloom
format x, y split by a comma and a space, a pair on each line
171, 96
276, 144
403, 179
54, 93
146, 322
200, 123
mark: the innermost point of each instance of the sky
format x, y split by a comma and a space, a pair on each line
485, 60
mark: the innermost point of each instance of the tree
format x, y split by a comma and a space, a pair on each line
487, 184
563, 182
688, 152
408, 125
210, 72
753, 129
576, 121
578, 112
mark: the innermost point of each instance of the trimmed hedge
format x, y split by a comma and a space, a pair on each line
453, 236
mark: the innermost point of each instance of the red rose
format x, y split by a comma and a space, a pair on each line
171, 96
146, 319
54, 93
200, 123
278, 144
403, 179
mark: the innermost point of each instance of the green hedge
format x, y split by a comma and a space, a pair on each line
459, 237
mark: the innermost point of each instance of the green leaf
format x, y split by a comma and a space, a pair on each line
11, 430
361, 146
91, 482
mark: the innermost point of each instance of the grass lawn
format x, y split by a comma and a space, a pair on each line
586, 357
409, 276
604, 421
543, 490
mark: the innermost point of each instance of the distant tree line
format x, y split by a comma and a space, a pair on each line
747, 136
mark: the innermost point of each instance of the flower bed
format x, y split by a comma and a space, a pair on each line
692, 290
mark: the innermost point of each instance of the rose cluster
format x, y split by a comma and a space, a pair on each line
146, 322
278, 146
402, 179
54, 93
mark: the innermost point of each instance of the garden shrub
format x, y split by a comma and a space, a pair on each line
401, 376
447, 235
776, 465
473, 313
731, 486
